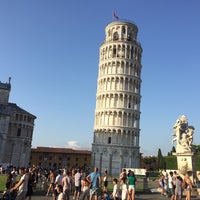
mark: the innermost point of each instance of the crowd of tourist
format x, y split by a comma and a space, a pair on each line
82, 184
57, 183
60, 184
172, 185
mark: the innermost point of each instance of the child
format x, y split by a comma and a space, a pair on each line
59, 190
114, 194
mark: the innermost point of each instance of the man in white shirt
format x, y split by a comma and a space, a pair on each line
58, 181
171, 185
77, 182
22, 185
59, 178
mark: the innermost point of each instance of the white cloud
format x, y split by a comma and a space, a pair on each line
77, 145
73, 144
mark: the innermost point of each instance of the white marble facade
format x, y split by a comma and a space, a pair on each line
117, 114
16, 131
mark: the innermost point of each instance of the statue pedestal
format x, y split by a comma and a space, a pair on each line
186, 165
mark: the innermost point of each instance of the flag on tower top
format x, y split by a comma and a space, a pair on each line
115, 16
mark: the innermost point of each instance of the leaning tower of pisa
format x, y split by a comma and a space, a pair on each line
117, 114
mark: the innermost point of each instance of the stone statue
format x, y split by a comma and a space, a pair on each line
183, 135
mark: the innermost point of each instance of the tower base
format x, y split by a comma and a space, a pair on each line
114, 158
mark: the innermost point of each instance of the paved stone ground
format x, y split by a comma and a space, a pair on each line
151, 195
142, 196
139, 196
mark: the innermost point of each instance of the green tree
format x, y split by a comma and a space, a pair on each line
171, 162
160, 160
150, 162
197, 148
172, 151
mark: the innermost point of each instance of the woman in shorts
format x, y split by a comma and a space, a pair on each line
131, 186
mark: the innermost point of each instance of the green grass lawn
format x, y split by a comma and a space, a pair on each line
2, 182
139, 184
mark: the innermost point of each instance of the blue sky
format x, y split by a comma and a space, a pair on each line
51, 50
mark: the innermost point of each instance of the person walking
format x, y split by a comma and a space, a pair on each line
31, 182
22, 185
58, 181
77, 182
171, 185
115, 194
51, 179
66, 183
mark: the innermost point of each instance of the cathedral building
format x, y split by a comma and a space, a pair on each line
16, 130
117, 113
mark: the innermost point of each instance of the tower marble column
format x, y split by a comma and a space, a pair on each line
117, 113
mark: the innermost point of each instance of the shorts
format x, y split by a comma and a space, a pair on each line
94, 191
78, 188
131, 187
85, 194
67, 192
178, 192
172, 191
